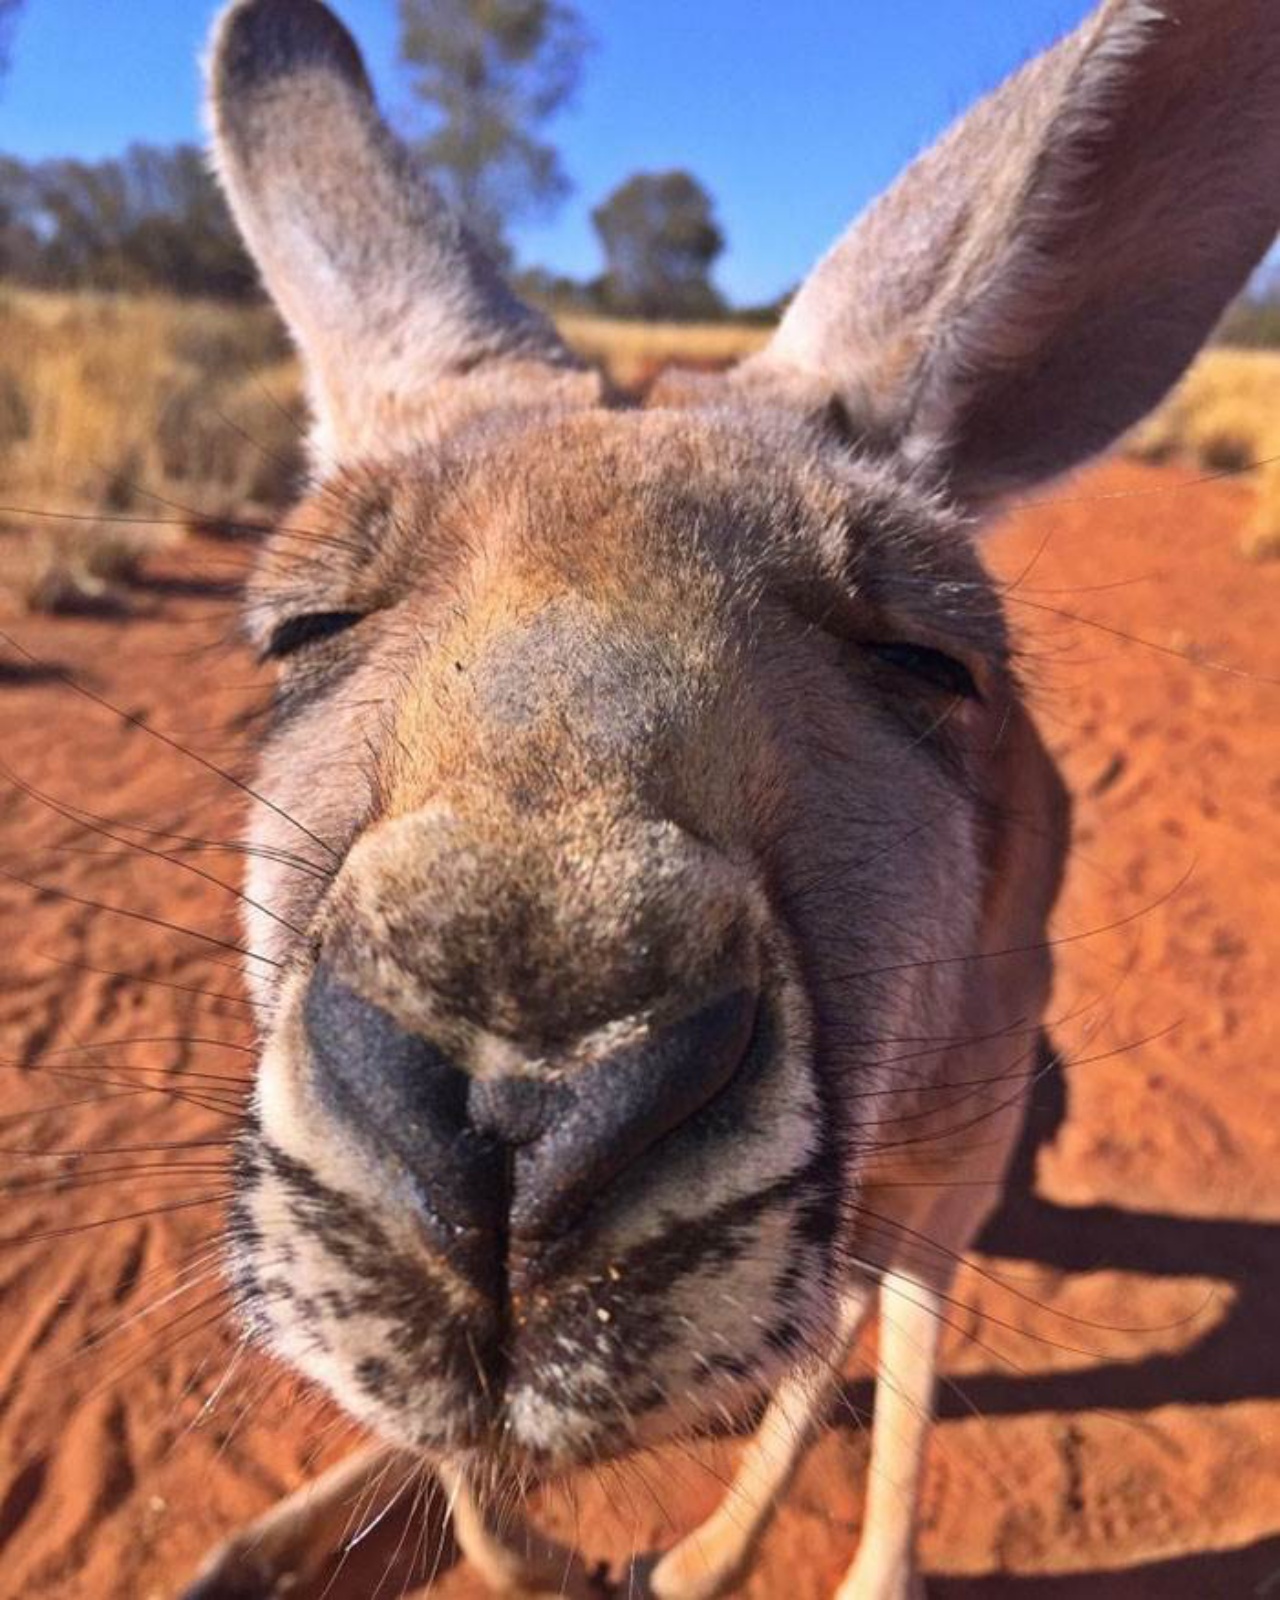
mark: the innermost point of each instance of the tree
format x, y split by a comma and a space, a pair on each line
180, 234
153, 218
490, 73
660, 240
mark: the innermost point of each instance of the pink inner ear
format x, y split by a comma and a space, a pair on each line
385, 292
1035, 282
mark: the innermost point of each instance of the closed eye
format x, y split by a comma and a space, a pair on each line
296, 633
929, 666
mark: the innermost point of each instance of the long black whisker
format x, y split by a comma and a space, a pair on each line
139, 916
144, 978
133, 720
133, 845
114, 1222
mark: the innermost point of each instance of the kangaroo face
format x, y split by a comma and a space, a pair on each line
654, 854
605, 721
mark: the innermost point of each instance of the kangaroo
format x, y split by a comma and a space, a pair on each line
671, 958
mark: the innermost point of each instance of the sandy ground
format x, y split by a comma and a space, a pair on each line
1111, 1418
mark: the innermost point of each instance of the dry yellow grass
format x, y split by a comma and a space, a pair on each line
107, 401
1225, 416
135, 408
154, 407
633, 352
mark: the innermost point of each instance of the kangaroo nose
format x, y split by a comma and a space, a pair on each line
406, 1096
620, 1106
516, 1157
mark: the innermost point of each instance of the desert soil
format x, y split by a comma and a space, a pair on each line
1111, 1416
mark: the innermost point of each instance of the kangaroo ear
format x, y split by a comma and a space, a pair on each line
383, 290
1035, 282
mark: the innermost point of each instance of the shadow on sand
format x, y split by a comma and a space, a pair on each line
1234, 1360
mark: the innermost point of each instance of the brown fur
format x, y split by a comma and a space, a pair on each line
622, 711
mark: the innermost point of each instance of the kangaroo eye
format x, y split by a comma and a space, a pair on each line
296, 633
934, 667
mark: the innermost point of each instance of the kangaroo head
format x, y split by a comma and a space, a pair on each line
651, 826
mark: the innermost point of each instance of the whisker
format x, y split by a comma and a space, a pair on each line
139, 916
221, 1103
149, 981
116, 1042
76, 1154
1224, 668
73, 815
1156, 491
132, 720
98, 1223
1056, 942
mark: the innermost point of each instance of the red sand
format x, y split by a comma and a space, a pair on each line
1073, 1458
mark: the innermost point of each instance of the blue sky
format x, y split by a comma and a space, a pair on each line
793, 112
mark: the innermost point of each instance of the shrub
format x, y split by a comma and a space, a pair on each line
76, 567
1225, 417
121, 399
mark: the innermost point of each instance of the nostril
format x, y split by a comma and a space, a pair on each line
405, 1092
518, 1156
623, 1105
365, 1056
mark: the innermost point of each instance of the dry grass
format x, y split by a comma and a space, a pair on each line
633, 353
1224, 416
77, 567
152, 407
135, 408
106, 402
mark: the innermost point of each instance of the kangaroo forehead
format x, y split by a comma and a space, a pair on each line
604, 665
630, 509
667, 522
